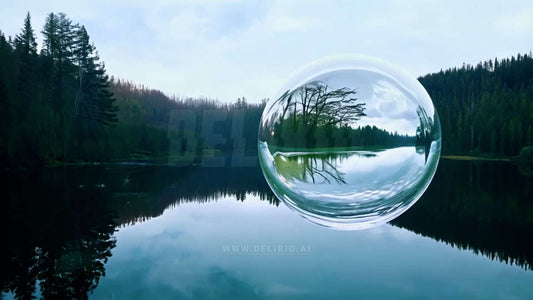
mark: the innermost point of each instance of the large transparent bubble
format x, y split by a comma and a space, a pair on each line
351, 142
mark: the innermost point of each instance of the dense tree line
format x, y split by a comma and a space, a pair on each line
58, 105
153, 125
55, 102
486, 109
332, 136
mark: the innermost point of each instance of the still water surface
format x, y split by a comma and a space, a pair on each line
126, 232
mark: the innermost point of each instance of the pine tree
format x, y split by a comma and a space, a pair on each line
25, 131
25, 41
58, 35
26, 50
94, 102
51, 36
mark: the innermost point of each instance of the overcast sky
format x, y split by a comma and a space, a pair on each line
229, 49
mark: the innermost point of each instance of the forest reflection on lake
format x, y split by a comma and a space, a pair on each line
125, 231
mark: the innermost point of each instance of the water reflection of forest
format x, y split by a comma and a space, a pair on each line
316, 168
62, 220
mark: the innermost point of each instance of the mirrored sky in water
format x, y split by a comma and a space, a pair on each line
181, 255
352, 174
472, 241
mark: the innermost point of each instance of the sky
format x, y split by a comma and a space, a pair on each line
225, 49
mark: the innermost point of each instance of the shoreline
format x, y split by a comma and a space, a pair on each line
192, 162
480, 158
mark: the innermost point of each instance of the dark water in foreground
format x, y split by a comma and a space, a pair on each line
126, 232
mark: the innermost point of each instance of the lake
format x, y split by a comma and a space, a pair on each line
147, 232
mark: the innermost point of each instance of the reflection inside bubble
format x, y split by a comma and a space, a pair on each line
350, 148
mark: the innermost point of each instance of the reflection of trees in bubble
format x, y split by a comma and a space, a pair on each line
315, 105
315, 168
424, 131
319, 117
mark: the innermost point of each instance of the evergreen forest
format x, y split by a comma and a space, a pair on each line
58, 105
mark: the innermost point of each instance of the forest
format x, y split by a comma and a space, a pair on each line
58, 105
487, 109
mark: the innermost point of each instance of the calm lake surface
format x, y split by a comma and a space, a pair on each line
139, 232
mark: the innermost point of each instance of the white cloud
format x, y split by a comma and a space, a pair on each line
230, 49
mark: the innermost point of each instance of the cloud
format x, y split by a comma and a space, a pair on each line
234, 48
